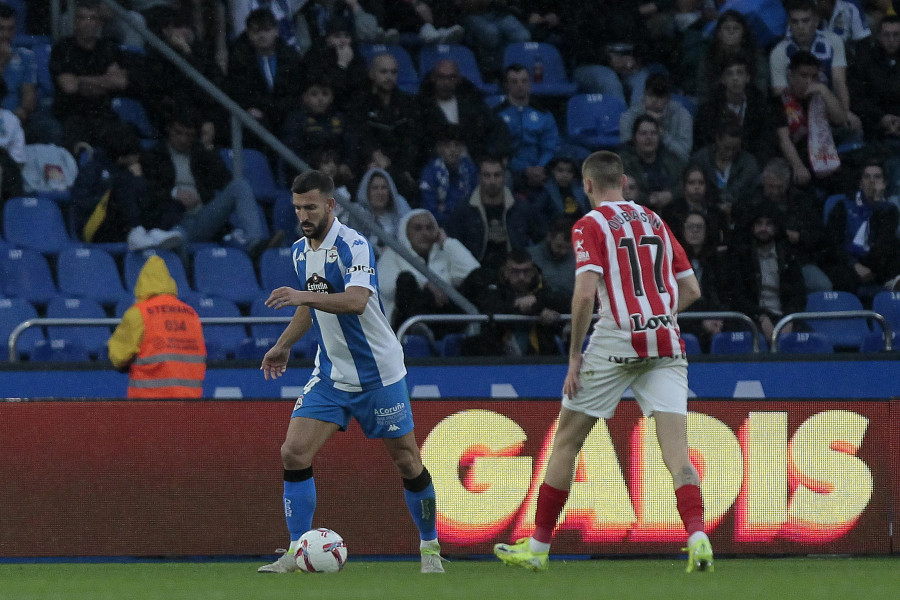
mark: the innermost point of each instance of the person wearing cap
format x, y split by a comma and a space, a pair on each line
159, 342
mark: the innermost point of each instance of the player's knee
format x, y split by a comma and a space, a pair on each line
408, 464
295, 456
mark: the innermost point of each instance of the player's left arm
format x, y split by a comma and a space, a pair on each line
688, 291
351, 301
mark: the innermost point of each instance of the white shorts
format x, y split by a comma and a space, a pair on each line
659, 385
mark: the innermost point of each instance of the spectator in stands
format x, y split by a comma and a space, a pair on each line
607, 45
491, 26
493, 221
707, 259
844, 19
405, 292
18, 68
676, 123
697, 195
318, 125
87, 72
542, 17
554, 256
734, 96
265, 75
517, 288
764, 278
864, 256
655, 169
414, 18
12, 152
378, 197
159, 342
445, 97
828, 49
875, 83
337, 59
730, 168
630, 191
110, 192
796, 126
732, 38
388, 119
190, 187
292, 27
366, 29
798, 213
562, 193
163, 86
534, 136
449, 178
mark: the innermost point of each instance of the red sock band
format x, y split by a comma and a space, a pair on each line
690, 507
550, 503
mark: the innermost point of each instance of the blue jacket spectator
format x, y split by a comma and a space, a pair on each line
449, 178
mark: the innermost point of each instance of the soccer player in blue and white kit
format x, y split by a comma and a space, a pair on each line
359, 368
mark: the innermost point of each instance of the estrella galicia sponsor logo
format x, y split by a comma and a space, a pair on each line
654, 322
363, 268
391, 415
319, 285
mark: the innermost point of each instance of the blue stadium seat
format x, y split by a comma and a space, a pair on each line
874, 342
90, 273
123, 305
686, 102
887, 304
258, 173
59, 351
259, 309
555, 81
25, 274
45, 87
451, 344
226, 272
134, 262
691, 343
804, 343
92, 338
592, 120
12, 312
254, 348
416, 346
734, 342
276, 269
132, 111
35, 223
464, 59
407, 76
830, 203
222, 341
844, 334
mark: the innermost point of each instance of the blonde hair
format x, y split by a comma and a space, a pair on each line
604, 169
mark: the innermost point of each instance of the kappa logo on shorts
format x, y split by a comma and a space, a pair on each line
298, 403
393, 428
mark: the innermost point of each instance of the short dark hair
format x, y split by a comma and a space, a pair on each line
491, 159
803, 59
888, 19
518, 256
313, 180
7, 12
732, 60
261, 17
790, 5
513, 68
658, 84
644, 118
119, 139
729, 125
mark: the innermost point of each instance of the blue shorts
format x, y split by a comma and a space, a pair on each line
382, 413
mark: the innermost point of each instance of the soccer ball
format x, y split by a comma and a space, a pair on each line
321, 551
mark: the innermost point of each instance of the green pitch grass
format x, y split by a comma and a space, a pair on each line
769, 579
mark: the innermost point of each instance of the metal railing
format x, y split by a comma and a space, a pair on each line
18, 329
837, 314
508, 318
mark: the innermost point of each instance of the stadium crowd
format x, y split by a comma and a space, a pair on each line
772, 154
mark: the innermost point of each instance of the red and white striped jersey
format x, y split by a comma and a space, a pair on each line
639, 261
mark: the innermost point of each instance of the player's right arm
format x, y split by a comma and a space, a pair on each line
586, 283
274, 363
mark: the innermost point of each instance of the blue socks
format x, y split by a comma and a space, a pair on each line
419, 493
299, 501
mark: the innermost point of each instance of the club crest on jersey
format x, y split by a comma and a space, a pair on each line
319, 285
654, 322
332, 255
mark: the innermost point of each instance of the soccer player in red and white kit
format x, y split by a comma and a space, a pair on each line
627, 258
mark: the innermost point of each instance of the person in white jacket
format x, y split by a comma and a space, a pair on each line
404, 290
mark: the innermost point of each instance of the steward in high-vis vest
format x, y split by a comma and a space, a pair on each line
159, 341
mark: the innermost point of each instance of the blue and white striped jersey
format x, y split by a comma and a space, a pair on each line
357, 352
